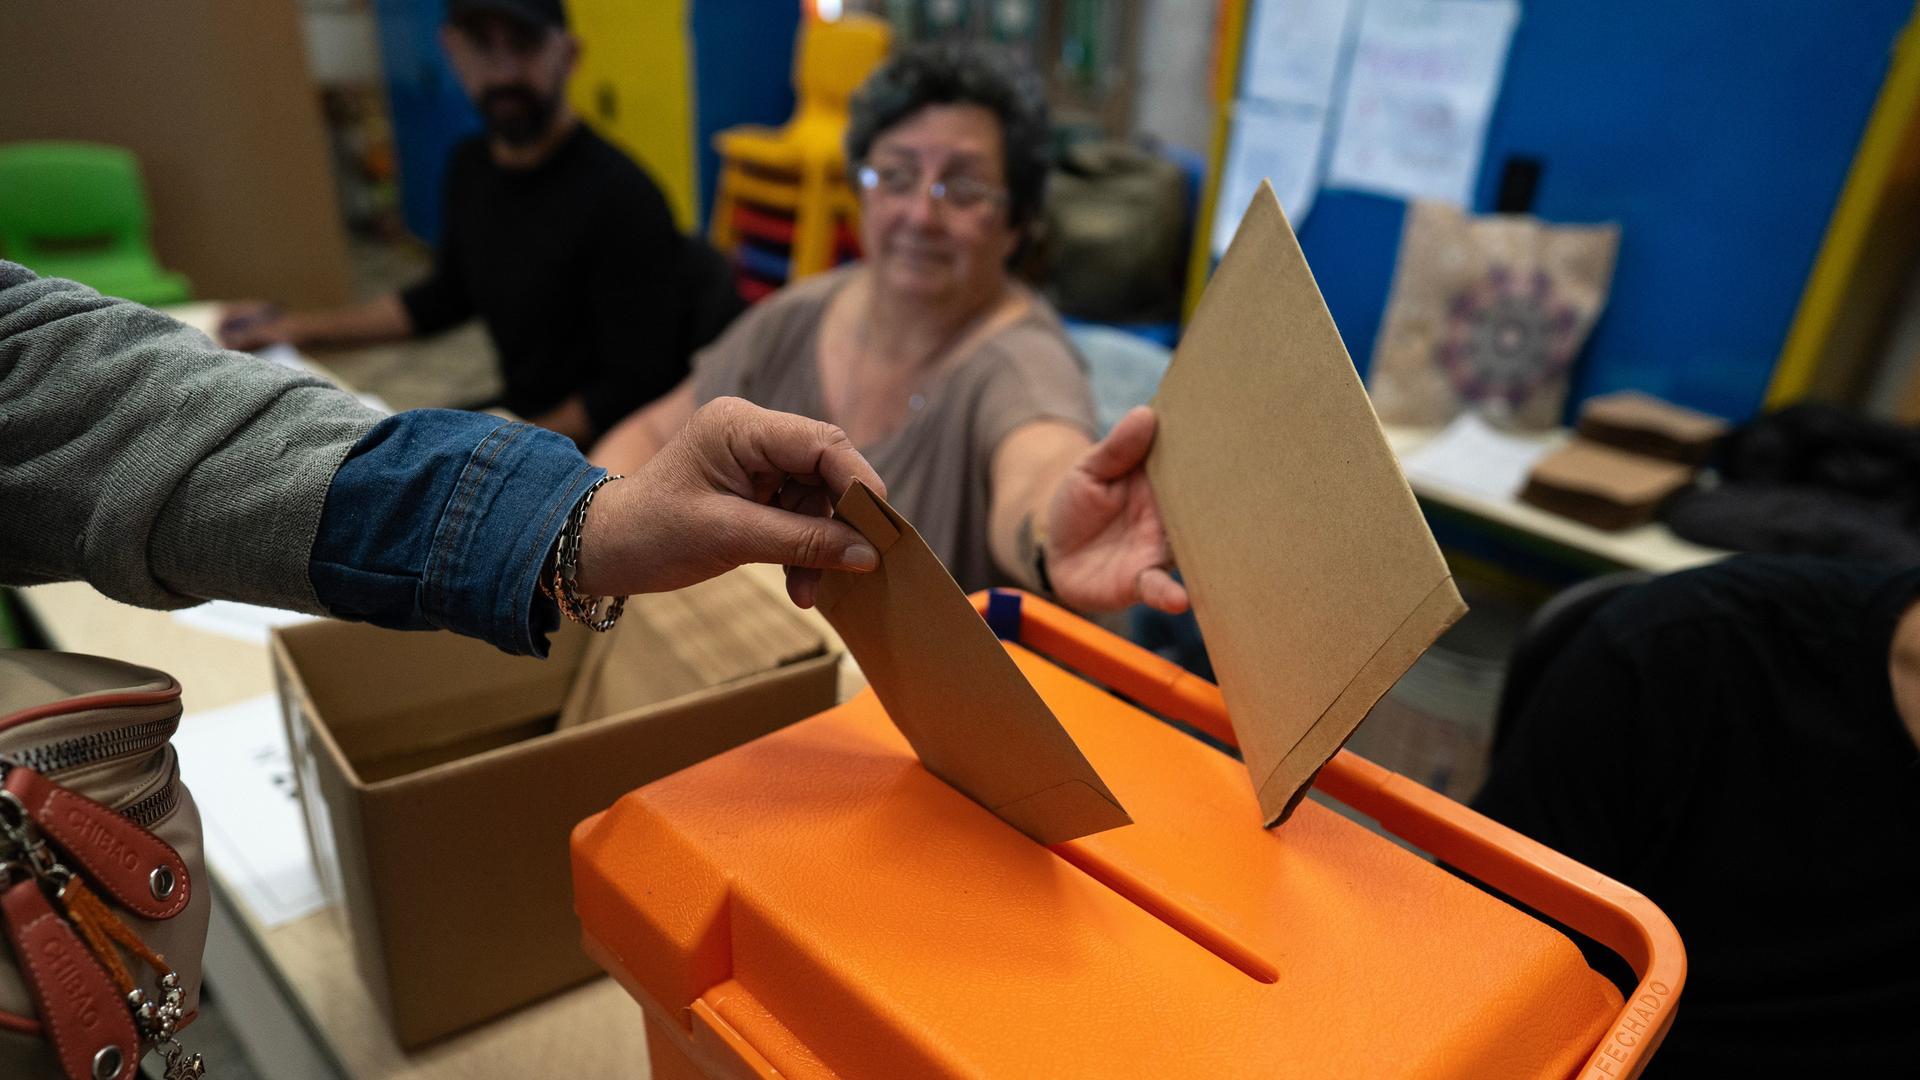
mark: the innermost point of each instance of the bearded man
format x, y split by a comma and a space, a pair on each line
559, 242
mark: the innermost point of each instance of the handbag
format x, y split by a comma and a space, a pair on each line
103, 893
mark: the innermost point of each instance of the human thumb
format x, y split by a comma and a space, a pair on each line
772, 535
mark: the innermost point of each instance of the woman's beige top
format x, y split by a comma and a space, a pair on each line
938, 466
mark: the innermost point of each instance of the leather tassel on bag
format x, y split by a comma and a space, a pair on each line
100, 871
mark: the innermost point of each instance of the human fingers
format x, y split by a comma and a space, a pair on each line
757, 533
794, 445
1157, 589
803, 498
803, 585
1124, 448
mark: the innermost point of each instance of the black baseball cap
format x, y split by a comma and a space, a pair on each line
539, 14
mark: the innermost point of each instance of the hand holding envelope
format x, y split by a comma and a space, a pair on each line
1106, 544
739, 484
1317, 585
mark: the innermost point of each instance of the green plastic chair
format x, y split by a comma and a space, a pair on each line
79, 211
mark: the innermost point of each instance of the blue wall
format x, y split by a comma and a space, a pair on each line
429, 111
1718, 133
742, 72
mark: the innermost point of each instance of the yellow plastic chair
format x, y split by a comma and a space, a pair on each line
800, 167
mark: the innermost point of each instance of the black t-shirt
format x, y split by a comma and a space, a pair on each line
1725, 741
576, 266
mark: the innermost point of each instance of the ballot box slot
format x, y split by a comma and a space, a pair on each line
1189, 924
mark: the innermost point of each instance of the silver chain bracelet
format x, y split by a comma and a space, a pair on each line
566, 570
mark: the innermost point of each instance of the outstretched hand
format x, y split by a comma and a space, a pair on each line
254, 324
1106, 546
739, 484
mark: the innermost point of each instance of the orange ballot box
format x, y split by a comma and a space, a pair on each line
816, 904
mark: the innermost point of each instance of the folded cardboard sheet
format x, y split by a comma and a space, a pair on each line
951, 689
685, 641
1603, 487
1313, 574
1644, 424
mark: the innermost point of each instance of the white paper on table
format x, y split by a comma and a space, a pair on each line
281, 354
1280, 143
1473, 456
235, 761
284, 355
1420, 90
1294, 49
247, 622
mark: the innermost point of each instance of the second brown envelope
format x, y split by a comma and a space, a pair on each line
1313, 575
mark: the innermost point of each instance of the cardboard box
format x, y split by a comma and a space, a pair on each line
701, 636
439, 798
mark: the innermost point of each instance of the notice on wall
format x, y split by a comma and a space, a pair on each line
1420, 89
1294, 50
1277, 143
1294, 55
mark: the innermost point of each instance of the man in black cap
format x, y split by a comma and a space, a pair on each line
564, 247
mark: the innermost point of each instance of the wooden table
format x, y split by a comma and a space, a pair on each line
292, 993
1647, 547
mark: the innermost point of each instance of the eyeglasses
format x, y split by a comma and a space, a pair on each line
904, 181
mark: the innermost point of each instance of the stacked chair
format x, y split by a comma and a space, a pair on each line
783, 208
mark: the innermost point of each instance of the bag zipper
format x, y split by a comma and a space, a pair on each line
151, 808
48, 759
56, 757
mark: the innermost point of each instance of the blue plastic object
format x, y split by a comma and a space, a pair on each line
1003, 614
742, 72
429, 110
762, 263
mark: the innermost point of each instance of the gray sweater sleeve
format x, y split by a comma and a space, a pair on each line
137, 455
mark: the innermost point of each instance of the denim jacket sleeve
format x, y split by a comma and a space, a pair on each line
443, 519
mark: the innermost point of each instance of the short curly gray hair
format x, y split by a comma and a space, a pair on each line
952, 73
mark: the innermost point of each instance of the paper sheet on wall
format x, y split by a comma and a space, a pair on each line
235, 762
1294, 50
1420, 90
1279, 143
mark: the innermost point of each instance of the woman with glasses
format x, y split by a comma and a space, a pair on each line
955, 379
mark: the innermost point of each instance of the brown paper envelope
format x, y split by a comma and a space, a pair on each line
952, 690
1311, 569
